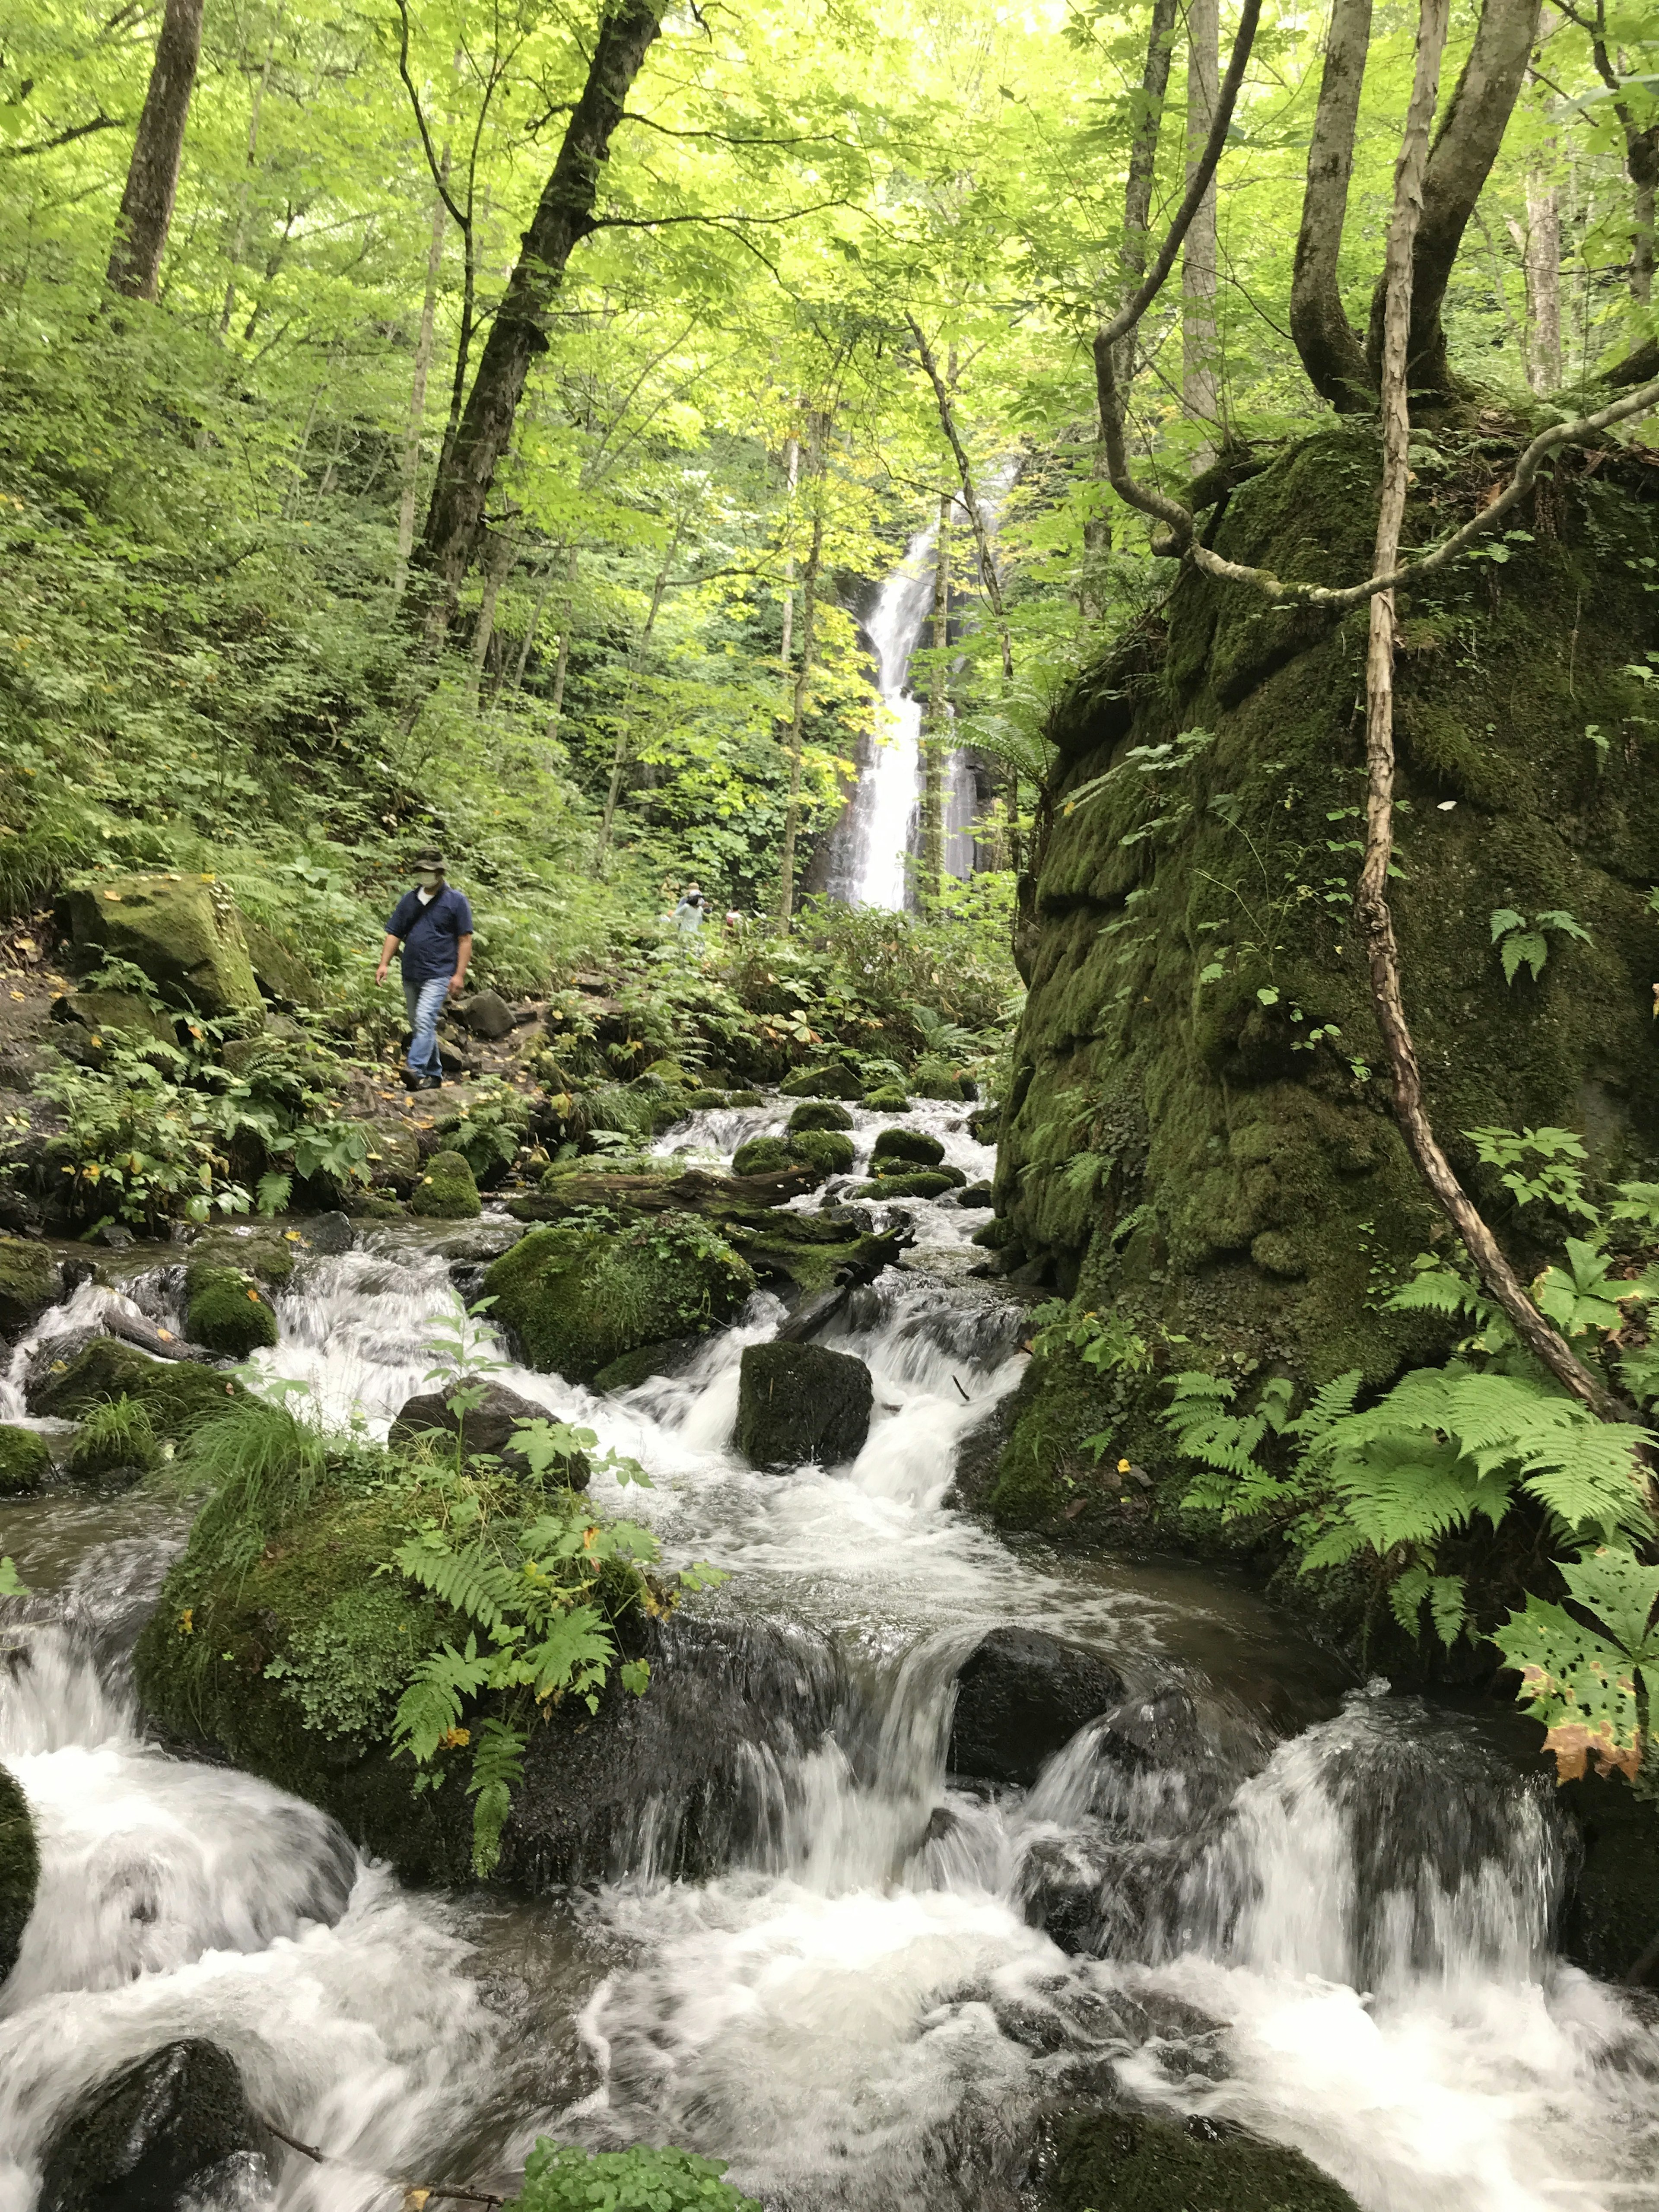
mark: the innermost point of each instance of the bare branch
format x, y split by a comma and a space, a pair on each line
440, 175
100, 122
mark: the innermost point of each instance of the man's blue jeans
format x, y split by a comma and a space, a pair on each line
425, 996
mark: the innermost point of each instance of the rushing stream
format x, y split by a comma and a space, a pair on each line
1323, 1912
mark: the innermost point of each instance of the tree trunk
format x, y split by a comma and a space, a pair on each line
1131, 267
563, 216
496, 569
1542, 266
1370, 900
792, 472
435, 261
561, 667
936, 724
623, 751
141, 228
992, 581
809, 616
1198, 263
239, 236
1331, 349
1464, 150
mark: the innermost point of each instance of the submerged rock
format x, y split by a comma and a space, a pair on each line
225, 1311
447, 1191
799, 1403
1128, 2162
577, 1298
486, 1427
20, 1868
1022, 1695
174, 2128
25, 1462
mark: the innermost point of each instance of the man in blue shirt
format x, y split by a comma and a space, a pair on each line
434, 924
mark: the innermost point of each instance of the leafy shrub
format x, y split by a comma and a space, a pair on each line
1596, 1689
563, 2178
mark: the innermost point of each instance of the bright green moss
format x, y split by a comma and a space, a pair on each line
447, 1191
226, 1310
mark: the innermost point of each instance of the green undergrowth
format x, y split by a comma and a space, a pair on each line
383, 1630
564, 2178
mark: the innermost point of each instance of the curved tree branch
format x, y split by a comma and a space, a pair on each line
1331, 348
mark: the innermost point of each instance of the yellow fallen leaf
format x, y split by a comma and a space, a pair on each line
1123, 1466
415, 2199
291, 1236
166, 1335
187, 1622
253, 1298
114, 897
17, 995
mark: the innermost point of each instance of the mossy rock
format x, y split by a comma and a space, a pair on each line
225, 1311
828, 1150
20, 1868
183, 931
447, 1191
819, 1113
888, 1098
279, 972
173, 2128
25, 1462
994, 1235
801, 1402
744, 1098
974, 1193
116, 1441
985, 1125
670, 1071
177, 1393
926, 1182
576, 1299
706, 1101
832, 1082
763, 1156
1128, 2162
30, 1281
934, 1077
93, 1014
912, 1145
394, 1154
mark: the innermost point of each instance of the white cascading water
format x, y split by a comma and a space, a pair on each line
1322, 1916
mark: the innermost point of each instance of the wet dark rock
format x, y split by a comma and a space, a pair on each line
1156, 1730
985, 1124
1022, 1695
798, 1403
488, 1015
176, 1393
812, 1314
329, 1234
1610, 1923
486, 1427
669, 1357
20, 1868
1131, 2161
114, 1236
974, 1193
173, 2129
926, 1182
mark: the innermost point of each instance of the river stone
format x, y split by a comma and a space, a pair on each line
798, 1403
888, 1098
176, 1393
819, 1114
488, 1015
835, 1082
1128, 2162
20, 1868
175, 2126
1022, 1695
926, 1182
225, 1311
487, 1427
88, 1014
25, 1462
280, 973
30, 1281
447, 1191
183, 931
394, 1152
914, 1146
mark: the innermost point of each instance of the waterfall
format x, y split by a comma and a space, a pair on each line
1318, 1912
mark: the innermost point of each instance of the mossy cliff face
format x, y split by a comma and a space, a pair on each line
1185, 1140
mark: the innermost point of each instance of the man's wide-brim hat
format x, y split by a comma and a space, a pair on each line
430, 857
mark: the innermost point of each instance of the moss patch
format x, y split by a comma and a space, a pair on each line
447, 1191
25, 1462
1125, 2161
578, 1298
819, 1113
914, 1146
177, 1393
29, 1282
20, 1868
226, 1311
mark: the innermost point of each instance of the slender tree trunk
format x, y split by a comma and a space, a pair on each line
988, 566
141, 228
496, 570
411, 471
1198, 327
791, 474
936, 724
1464, 149
561, 667
239, 235
623, 750
1372, 903
1331, 348
563, 216
1543, 272
809, 617
533, 625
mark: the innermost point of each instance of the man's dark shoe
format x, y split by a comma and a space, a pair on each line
429, 1083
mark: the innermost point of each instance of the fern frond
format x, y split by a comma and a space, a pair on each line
476, 1585
497, 1767
1332, 1403
430, 1708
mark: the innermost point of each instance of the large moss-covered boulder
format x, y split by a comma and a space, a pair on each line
88, 1018
447, 1191
913, 1147
924, 1182
834, 1081
1197, 1135
888, 1098
177, 1393
1129, 2161
20, 1868
799, 1403
279, 971
30, 1281
183, 931
226, 1310
933, 1077
824, 1151
25, 1462
577, 1298
174, 2128
819, 1114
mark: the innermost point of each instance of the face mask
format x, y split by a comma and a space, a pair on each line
430, 883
